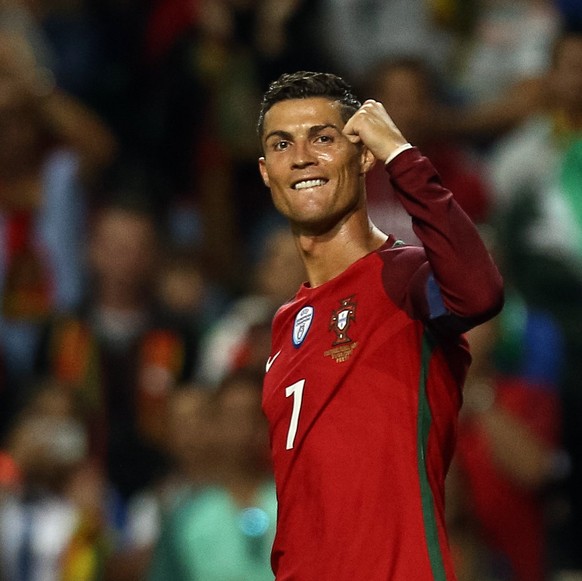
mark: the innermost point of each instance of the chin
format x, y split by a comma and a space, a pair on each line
313, 227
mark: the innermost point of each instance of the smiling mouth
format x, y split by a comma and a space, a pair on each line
305, 184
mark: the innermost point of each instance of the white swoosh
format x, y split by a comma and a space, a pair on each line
271, 360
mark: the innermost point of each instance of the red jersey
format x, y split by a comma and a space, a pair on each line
362, 392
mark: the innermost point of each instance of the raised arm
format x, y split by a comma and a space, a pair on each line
62, 118
469, 282
466, 277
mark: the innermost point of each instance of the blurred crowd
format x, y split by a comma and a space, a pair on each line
141, 262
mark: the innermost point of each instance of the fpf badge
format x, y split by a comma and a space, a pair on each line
340, 322
302, 323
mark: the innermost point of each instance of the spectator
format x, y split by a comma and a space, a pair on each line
189, 299
553, 139
357, 34
242, 334
50, 148
202, 91
191, 446
116, 352
538, 179
225, 530
53, 522
410, 93
68, 40
508, 454
499, 65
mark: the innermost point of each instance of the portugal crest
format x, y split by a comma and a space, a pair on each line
342, 319
340, 322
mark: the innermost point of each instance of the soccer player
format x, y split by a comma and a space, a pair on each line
363, 382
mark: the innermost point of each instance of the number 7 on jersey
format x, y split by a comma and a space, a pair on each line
295, 390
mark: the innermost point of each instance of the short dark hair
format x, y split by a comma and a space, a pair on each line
305, 85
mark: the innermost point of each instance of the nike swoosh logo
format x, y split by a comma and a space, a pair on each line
271, 360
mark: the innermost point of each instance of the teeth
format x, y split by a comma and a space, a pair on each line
309, 184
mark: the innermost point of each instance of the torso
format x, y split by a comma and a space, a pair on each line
352, 382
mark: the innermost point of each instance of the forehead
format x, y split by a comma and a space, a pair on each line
293, 115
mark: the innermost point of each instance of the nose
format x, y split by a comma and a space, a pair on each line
302, 155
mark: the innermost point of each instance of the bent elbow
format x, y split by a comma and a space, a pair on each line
491, 302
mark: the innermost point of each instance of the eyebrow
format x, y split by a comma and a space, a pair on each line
318, 128
278, 133
312, 131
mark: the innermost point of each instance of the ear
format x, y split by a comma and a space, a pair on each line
367, 160
263, 170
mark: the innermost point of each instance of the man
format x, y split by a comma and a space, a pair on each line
362, 386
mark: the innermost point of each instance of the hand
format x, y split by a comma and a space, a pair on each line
20, 75
372, 126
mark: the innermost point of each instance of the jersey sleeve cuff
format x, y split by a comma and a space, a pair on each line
397, 152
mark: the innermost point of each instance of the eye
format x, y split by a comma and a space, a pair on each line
324, 139
280, 145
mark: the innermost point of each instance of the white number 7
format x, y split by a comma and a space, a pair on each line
296, 390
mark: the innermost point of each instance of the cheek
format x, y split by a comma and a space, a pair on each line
279, 199
277, 186
351, 172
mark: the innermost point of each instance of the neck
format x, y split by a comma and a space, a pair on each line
327, 255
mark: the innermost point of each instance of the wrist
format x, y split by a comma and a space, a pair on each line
397, 152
